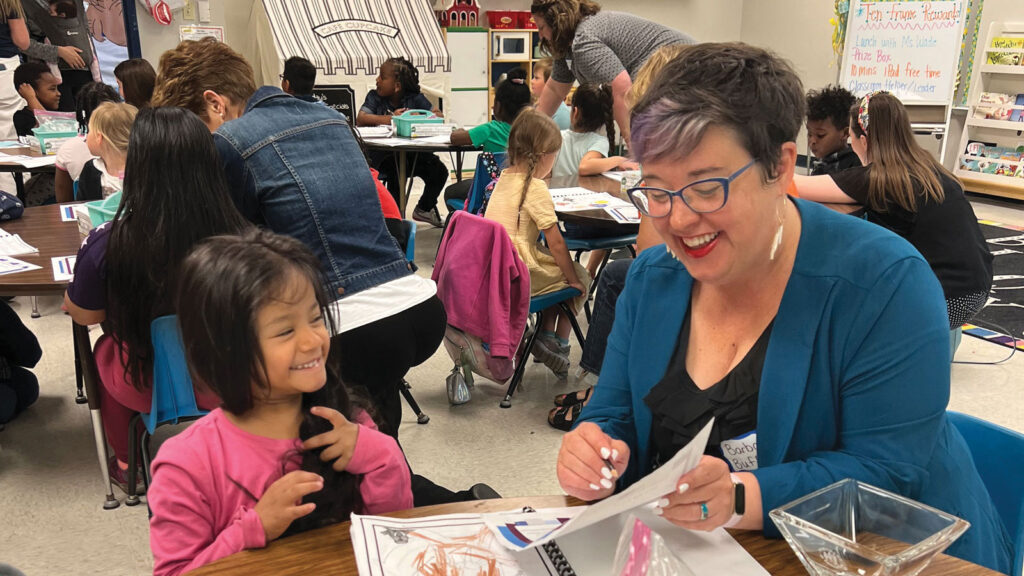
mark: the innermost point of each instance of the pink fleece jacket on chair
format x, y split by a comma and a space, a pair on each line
484, 285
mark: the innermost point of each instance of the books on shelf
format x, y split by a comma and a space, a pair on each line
1014, 51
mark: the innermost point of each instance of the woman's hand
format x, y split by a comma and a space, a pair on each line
282, 503
70, 54
340, 441
582, 471
708, 484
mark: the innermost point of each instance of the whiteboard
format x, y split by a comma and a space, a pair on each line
907, 47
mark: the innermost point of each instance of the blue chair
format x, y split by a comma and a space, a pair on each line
538, 304
998, 455
481, 179
581, 245
174, 399
74, 187
409, 226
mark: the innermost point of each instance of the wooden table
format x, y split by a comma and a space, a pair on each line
596, 217
18, 169
43, 228
401, 158
329, 550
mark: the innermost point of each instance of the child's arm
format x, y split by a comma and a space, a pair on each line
364, 118
461, 137
386, 485
556, 244
594, 163
27, 92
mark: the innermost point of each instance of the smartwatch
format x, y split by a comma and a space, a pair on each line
739, 501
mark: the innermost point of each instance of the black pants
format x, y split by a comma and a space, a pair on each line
376, 356
17, 392
71, 82
424, 165
458, 191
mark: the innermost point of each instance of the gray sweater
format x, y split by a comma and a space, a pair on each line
60, 32
607, 43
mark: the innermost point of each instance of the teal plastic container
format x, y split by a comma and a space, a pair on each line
403, 124
101, 211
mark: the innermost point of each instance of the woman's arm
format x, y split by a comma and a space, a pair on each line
19, 33
552, 95
620, 87
461, 137
556, 244
821, 189
594, 163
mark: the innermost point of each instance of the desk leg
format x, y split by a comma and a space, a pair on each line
79, 380
401, 181
35, 305
458, 166
408, 181
19, 186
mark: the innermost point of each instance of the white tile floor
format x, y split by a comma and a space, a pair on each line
51, 495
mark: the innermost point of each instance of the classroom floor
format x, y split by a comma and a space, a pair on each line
51, 494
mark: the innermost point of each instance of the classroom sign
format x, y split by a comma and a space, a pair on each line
908, 48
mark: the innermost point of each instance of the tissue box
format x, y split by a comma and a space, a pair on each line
50, 142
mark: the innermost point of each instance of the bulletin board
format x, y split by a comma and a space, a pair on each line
907, 47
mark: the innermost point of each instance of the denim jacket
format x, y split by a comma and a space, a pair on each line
295, 168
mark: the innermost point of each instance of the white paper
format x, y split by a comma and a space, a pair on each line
394, 142
624, 214
28, 161
516, 529
617, 175
648, 489
63, 268
13, 245
437, 139
67, 212
576, 199
10, 265
374, 131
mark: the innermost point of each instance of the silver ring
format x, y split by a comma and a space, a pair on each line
704, 511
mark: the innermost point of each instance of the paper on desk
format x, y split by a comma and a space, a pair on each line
375, 131
624, 214
576, 199
28, 161
436, 139
13, 245
63, 268
396, 142
12, 265
10, 144
67, 212
648, 489
617, 175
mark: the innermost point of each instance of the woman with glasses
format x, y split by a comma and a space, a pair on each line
813, 343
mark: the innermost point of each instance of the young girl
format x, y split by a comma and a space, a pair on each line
510, 98
74, 154
135, 81
584, 149
398, 90
906, 190
174, 196
286, 430
522, 204
109, 129
541, 75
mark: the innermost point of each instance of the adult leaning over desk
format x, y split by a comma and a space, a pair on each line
596, 47
817, 341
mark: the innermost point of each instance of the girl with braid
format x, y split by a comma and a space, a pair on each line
522, 204
398, 90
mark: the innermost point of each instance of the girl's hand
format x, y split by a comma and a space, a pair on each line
399, 112
282, 503
340, 442
579, 286
627, 164
26, 91
582, 471
707, 484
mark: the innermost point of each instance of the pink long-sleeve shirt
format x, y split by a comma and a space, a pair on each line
207, 480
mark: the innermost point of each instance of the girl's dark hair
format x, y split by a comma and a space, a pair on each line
138, 78
174, 196
89, 97
593, 104
406, 74
512, 95
224, 283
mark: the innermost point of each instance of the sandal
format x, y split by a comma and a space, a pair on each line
574, 397
563, 417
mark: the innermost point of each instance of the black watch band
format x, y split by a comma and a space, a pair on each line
739, 496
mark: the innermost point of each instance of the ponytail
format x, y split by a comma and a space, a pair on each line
594, 108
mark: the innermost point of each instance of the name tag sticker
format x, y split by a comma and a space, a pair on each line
741, 452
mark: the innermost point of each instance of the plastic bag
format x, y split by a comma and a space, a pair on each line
643, 552
56, 122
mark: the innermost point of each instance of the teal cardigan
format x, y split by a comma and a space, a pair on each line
855, 381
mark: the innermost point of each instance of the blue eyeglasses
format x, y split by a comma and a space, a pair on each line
702, 196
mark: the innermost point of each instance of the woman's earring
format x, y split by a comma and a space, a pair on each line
777, 241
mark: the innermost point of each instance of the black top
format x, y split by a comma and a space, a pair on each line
946, 234
90, 183
679, 409
839, 160
24, 121
18, 345
7, 47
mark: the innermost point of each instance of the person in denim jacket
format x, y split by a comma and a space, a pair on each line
295, 167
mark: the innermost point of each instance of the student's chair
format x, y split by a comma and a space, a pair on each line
581, 245
998, 455
488, 168
174, 399
409, 227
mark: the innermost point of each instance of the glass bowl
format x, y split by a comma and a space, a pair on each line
854, 529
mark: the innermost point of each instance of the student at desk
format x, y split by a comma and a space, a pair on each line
818, 342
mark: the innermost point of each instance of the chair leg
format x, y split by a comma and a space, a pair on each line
518, 374
406, 391
133, 464
147, 460
575, 325
35, 307
79, 376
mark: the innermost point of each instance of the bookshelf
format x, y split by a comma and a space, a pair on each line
1001, 71
497, 66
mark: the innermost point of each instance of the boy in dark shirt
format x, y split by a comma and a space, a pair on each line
38, 87
828, 129
298, 78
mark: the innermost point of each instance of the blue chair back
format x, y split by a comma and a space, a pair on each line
488, 168
173, 395
410, 243
998, 455
74, 187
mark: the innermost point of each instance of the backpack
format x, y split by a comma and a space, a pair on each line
472, 355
